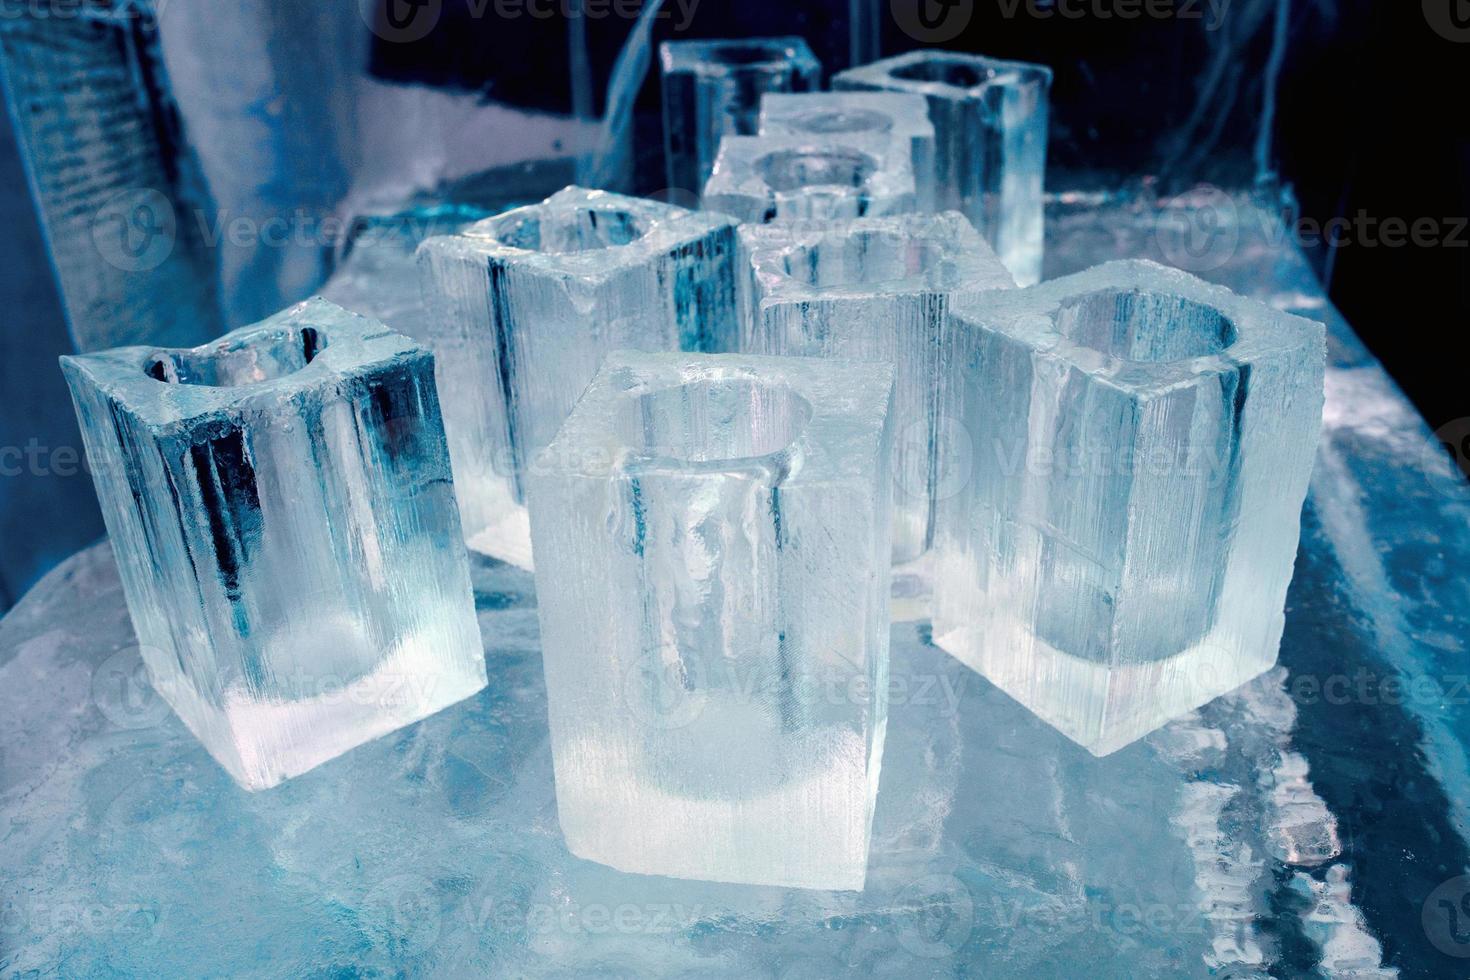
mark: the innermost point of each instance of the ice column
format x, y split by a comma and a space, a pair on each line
904, 115
712, 539
838, 177
877, 289
523, 307
713, 88
990, 120
1142, 442
119, 189
280, 505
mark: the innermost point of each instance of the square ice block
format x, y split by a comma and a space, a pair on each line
835, 177
280, 505
904, 115
711, 564
877, 289
1142, 442
713, 88
523, 307
990, 129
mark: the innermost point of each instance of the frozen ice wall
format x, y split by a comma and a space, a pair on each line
267, 95
114, 179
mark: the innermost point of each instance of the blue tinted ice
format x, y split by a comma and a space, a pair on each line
834, 177
713, 88
1142, 443
1244, 839
712, 538
878, 289
905, 115
119, 191
282, 513
523, 306
990, 127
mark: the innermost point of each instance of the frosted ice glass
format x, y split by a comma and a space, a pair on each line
713, 88
768, 178
877, 289
712, 539
281, 509
1142, 442
523, 307
990, 128
903, 115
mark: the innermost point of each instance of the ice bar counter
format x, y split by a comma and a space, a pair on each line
802, 562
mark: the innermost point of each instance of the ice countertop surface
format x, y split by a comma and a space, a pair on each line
1314, 822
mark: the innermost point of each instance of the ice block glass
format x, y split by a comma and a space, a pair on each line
1142, 445
280, 505
713, 88
990, 129
829, 178
878, 289
523, 306
904, 115
712, 537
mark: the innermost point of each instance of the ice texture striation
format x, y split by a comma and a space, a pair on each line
713, 88
712, 537
523, 306
282, 512
990, 128
836, 177
878, 289
905, 115
1142, 445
